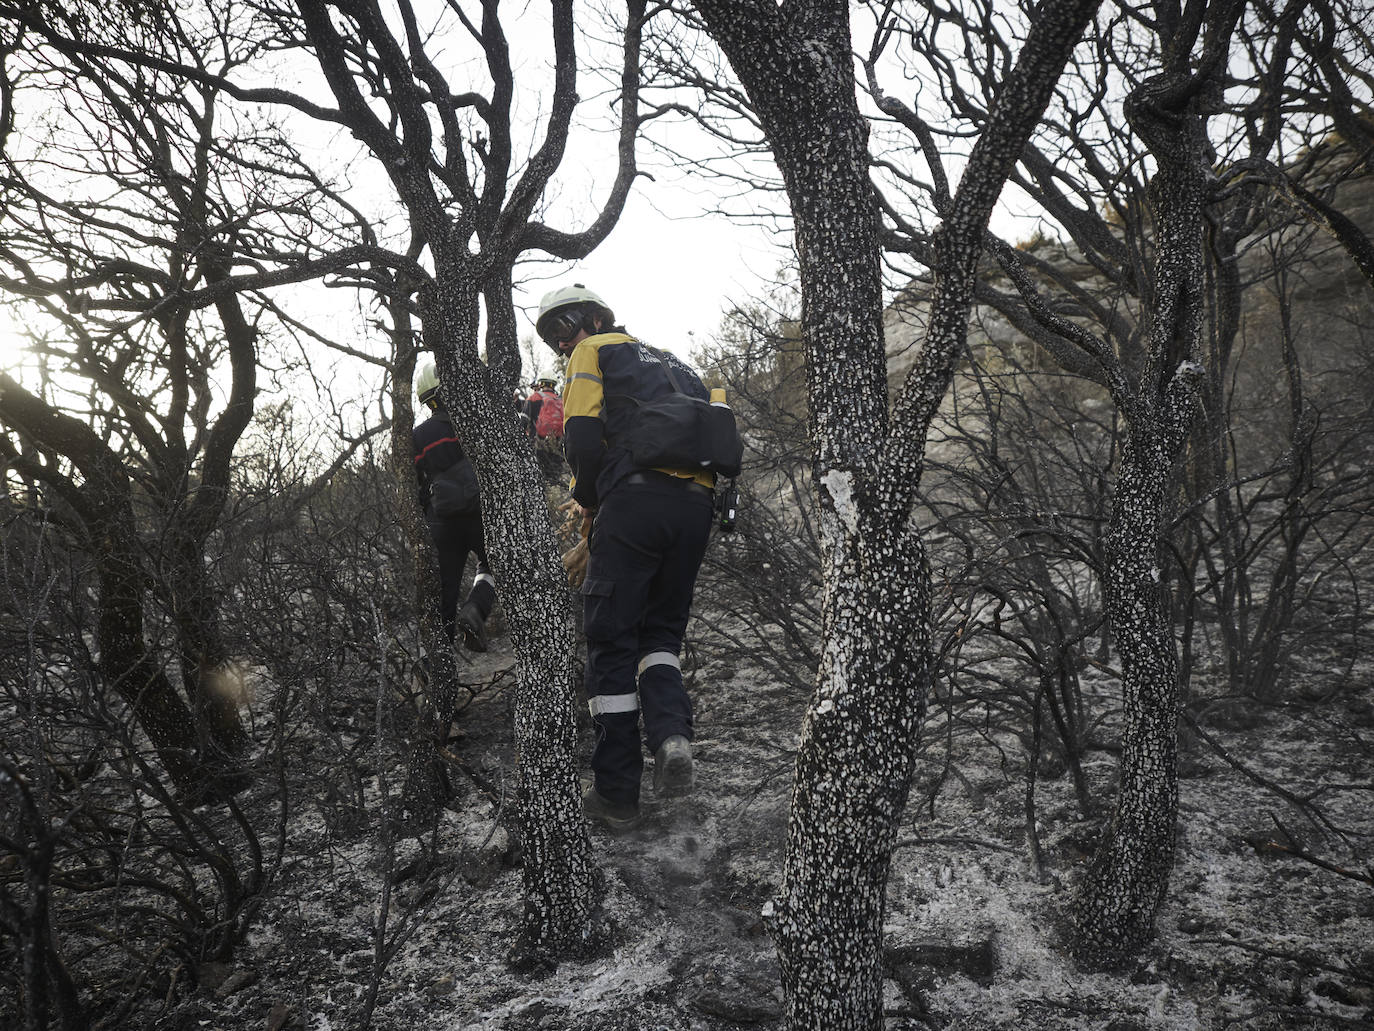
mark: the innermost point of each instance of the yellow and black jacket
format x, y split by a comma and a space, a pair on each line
604, 372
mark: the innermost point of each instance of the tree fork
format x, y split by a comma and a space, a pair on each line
856, 757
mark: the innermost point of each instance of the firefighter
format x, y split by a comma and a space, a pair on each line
542, 414
543, 391
646, 543
448, 495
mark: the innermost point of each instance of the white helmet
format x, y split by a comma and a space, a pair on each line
567, 297
427, 383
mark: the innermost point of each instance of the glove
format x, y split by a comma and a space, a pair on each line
579, 520
575, 563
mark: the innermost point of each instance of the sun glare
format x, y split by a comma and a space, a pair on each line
12, 349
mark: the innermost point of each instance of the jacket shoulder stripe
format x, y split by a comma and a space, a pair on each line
429, 447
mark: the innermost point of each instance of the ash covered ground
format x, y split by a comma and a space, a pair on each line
1254, 934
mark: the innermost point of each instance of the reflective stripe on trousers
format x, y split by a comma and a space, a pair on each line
645, 550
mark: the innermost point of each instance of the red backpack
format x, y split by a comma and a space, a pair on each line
550, 422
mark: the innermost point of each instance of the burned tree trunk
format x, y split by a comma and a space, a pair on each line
854, 765
209, 682
127, 666
471, 204
561, 887
856, 757
426, 779
1129, 873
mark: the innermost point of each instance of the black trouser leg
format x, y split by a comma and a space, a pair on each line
645, 550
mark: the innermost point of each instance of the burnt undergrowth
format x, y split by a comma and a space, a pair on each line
307, 896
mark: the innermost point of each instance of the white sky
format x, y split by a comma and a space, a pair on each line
670, 280
668, 270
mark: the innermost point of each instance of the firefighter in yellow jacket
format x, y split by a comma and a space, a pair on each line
647, 541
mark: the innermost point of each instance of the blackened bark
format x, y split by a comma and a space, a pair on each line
103, 503
426, 785
124, 660
474, 239
540, 611
33, 837
561, 889
210, 683
1129, 873
855, 761
1130, 870
854, 764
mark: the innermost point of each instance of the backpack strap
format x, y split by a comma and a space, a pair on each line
667, 367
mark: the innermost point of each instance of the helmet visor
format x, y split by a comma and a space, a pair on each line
561, 326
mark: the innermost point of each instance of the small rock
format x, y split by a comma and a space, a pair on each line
1191, 923
913, 982
1361, 712
480, 862
1193, 768
1262, 842
212, 975
540, 1012
1352, 994
443, 986
1232, 714
282, 1015
680, 871
236, 981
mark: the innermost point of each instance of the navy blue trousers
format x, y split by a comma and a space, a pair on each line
645, 549
454, 539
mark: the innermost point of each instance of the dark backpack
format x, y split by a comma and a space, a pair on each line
453, 491
682, 431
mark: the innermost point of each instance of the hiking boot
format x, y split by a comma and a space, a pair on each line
474, 628
673, 767
616, 817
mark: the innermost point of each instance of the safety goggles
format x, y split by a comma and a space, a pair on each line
562, 326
